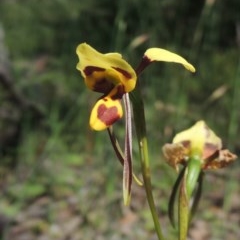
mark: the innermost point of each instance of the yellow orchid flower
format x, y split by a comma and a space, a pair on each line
197, 148
200, 141
109, 74
112, 76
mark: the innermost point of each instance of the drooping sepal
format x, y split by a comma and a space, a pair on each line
127, 166
119, 152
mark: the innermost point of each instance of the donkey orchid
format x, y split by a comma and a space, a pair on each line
198, 140
112, 76
197, 148
109, 74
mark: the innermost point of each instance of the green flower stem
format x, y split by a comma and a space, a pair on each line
140, 125
187, 187
193, 171
183, 211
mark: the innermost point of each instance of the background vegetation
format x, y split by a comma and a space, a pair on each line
60, 180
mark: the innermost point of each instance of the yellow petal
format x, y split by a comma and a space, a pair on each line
159, 54
103, 71
105, 112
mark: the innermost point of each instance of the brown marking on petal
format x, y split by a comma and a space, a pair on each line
209, 150
175, 154
211, 158
107, 115
123, 72
186, 144
90, 69
225, 157
103, 86
120, 90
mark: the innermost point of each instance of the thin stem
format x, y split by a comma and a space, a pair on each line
187, 186
140, 125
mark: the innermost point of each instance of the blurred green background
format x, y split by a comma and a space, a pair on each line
60, 180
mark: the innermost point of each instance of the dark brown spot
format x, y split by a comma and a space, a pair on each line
123, 72
119, 93
90, 69
103, 86
186, 144
108, 115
